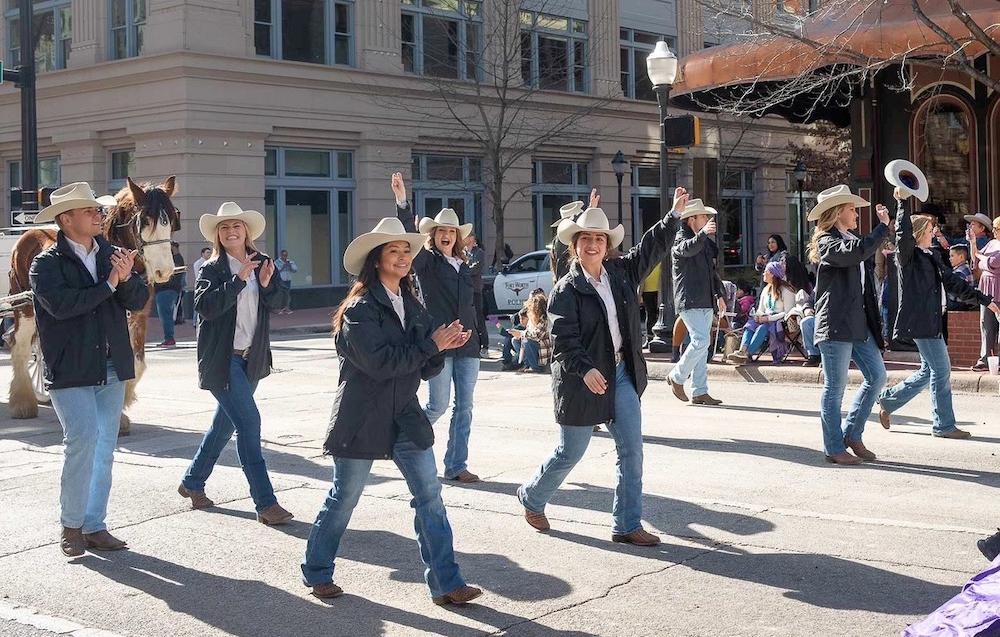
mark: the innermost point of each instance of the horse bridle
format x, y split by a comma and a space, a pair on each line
164, 220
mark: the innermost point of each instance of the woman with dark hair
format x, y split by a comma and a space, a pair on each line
387, 342
776, 251
599, 373
446, 283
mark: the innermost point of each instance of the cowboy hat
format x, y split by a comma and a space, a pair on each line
592, 220
387, 230
569, 211
907, 176
231, 210
447, 218
981, 218
833, 197
72, 197
697, 207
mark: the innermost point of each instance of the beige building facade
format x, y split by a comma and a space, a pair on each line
299, 108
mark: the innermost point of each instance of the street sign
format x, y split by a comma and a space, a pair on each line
681, 131
20, 217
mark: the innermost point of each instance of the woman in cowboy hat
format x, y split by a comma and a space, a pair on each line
235, 294
923, 277
386, 342
848, 326
558, 254
446, 284
598, 372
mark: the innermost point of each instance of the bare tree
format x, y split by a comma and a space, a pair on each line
499, 98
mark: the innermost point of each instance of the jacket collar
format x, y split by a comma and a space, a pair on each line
579, 278
65, 247
410, 306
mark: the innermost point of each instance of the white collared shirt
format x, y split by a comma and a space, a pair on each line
397, 304
89, 258
603, 287
455, 262
246, 307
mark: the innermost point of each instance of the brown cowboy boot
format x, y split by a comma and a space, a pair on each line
104, 541
459, 596
198, 498
274, 515
72, 542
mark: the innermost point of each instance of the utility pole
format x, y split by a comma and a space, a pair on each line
24, 78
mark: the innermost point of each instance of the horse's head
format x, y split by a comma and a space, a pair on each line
144, 220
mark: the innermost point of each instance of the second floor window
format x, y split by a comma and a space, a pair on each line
128, 20
442, 38
317, 31
635, 47
53, 34
553, 52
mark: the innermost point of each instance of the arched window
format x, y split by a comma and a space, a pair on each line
944, 146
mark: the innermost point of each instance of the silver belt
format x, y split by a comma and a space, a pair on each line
619, 357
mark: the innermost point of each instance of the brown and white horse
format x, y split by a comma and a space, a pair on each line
144, 220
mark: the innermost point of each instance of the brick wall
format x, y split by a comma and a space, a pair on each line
963, 338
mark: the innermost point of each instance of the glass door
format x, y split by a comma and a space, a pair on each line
463, 203
307, 235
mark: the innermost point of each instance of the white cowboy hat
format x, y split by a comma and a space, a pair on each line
71, 197
447, 218
231, 210
387, 230
592, 220
833, 197
981, 218
907, 176
569, 211
697, 207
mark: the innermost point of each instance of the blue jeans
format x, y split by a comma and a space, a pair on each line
89, 417
626, 429
430, 521
511, 349
166, 308
935, 369
237, 412
808, 327
694, 360
531, 354
754, 337
837, 357
463, 371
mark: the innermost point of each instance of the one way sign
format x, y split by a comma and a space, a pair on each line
20, 217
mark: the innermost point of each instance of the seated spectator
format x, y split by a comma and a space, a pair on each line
776, 300
744, 303
536, 343
511, 348
959, 256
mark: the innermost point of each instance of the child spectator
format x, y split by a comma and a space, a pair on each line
744, 303
959, 256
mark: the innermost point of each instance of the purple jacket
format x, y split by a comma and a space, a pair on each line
973, 612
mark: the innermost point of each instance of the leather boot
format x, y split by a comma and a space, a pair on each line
72, 542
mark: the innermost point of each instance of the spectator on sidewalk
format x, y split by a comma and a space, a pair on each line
167, 296
536, 343
206, 254
765, 325
958, 255
286, 267
511, 348
776, 251
477, 257
650, 299
987, 261
181, 270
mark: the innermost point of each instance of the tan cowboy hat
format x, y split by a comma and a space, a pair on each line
231, 210
72, 197
447, 218
387, 230
697, 207
981, 218
907, 176
592, 220
833, 197
569, 211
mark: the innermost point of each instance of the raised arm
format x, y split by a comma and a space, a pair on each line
905, 243
405, 213
653, 246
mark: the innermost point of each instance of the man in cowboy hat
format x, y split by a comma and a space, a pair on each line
83, 287
698, 291
559, 253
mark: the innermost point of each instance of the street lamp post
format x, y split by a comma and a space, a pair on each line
661, 65
800, 173
619, 163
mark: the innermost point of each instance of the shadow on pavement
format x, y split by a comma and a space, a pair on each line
251, 608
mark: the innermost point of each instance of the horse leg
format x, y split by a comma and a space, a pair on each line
23, 402
137, 334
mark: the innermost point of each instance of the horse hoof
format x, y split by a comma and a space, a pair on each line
22, 413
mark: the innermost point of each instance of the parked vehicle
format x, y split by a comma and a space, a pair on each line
516, 280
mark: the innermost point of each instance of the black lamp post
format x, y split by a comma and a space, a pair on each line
800, 173
620, 164
661, 65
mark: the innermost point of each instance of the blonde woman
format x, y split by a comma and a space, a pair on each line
923, 276
235, 295
848, 326
536, 344
987, 261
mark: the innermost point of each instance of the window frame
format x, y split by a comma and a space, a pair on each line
418, 11
132, 46
49, 6
473, 188
745, 197
330, 34
571, 36
628, 44
117, 183
577, 190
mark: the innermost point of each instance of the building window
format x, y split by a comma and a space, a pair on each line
646, 197
316, 31
449, 181
944, 139
309, 207
737, 207
635, 47
48, 179
122, 165
128, 21
553, 52
555, 183
442, 38
53, 31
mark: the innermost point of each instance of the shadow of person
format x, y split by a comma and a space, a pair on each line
294, 528
251, 608
495, 573
814, 413
819, 580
